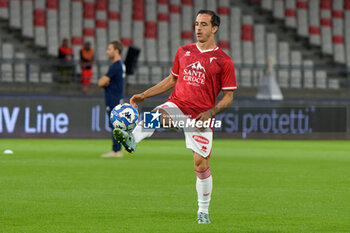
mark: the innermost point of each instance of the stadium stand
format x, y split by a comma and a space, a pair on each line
159, 27
314, 23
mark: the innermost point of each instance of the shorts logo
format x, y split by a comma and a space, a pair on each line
200, 139
204, 149
151, 120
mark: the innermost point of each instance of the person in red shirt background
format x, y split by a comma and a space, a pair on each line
86, 61
65, 54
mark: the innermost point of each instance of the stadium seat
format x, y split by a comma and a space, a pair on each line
321, 79
338, 31
347, 31
278, 9
247, 47
245, 77
7, 53
131, 79
187, 21
143, 75
27, 19
283, 60
64, 21
4, 9
308, 74
175, 30
314, 20
247, 39
156, 75
302, 18
271, 45
235, 35
151, 31
40, 23
52, 27
266, 5
6, 72
290, 14
326, 31
46, 77
126, 24
77, 28
333, 84
138, 30
33, 73
224, 33
212, 5
163, 31
260, 53
20, 67
15, 14
198, 5
89, 26
295, 74
113, 20
101, 30
95, 73
259, 44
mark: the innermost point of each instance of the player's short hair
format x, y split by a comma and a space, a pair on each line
117, 45
215, 19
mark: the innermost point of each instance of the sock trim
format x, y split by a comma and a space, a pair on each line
203, 174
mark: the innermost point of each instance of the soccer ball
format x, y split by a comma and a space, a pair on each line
124, 117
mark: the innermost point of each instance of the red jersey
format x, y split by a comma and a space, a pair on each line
201, 75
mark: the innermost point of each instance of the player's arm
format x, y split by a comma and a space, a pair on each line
225, 102
104, 81
163, 86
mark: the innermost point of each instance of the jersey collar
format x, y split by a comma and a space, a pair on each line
208, 50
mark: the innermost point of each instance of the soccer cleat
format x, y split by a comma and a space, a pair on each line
126, 139
203, 218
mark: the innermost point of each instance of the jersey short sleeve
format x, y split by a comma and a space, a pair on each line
228, 78
176, 64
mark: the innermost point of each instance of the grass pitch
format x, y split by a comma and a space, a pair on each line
259, 186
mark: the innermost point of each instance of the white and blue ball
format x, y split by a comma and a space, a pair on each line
124, 117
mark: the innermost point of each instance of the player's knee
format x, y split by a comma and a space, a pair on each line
201, 164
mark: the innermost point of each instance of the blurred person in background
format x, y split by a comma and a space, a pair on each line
86, 61
113, 83
65, 54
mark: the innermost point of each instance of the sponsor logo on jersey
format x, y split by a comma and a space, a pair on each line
194, 74
196, 66
200, 139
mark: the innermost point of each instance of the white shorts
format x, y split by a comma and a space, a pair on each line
198, 140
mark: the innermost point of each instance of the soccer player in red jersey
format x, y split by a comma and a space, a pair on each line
200, 72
